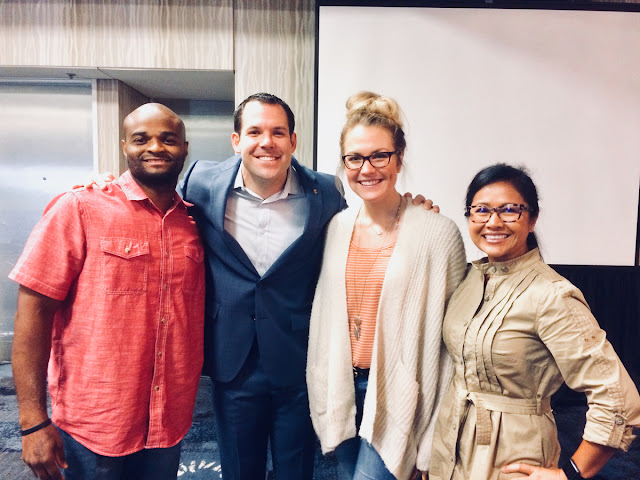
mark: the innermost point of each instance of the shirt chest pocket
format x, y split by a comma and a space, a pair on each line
193, 279
125, 265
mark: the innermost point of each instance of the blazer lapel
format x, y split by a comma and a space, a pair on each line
309, 185
221, 185
299, 248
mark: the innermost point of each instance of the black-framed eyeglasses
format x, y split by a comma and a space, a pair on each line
509, 212
377, 160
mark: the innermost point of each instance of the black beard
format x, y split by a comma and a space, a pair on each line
168, 178
164, 179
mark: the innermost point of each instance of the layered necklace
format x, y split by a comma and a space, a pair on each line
393, 225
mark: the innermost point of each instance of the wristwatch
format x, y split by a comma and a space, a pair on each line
571, 470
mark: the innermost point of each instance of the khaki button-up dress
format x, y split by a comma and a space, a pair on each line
515, 331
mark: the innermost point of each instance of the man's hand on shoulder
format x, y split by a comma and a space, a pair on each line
43, 453
426, 203
96, 180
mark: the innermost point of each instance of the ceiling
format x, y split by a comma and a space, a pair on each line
215, 85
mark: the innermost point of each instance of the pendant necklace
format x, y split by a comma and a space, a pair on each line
357, 321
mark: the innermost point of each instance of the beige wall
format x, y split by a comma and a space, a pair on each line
275, 52
269, 44
188, 34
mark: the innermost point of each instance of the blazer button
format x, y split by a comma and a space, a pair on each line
253, 317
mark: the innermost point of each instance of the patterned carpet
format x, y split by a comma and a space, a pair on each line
200, 458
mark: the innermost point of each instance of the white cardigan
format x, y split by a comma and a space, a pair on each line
410, 367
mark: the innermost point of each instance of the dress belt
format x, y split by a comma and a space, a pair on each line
486, 402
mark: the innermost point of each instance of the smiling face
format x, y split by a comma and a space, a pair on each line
154, 145
499, 240
266, 147
369, 183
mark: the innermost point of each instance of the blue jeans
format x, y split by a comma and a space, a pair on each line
147, 464
357, 459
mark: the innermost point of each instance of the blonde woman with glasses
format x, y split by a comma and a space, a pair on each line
377, 369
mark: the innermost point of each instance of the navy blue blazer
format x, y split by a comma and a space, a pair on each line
242, 306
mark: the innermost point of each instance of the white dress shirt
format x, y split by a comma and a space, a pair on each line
265, 227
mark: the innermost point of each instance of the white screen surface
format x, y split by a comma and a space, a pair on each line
556, 91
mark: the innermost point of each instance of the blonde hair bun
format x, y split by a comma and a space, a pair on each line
372, 104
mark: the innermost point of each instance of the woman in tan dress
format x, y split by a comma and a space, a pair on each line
516, 330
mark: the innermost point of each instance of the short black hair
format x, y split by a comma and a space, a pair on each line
516, 176
269, 99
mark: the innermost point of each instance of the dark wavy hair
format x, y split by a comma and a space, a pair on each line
519, 178
269, 99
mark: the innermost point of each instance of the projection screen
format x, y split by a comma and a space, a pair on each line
556, 91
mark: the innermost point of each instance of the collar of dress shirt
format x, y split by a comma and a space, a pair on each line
291, 186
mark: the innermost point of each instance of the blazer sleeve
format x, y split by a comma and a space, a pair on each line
183, 186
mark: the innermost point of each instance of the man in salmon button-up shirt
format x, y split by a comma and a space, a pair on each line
112, 298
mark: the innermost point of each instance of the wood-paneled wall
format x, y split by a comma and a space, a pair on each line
177, 34
275, 52
270, 44
112, 102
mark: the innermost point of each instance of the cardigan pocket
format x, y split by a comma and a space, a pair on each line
317, 390
399, 395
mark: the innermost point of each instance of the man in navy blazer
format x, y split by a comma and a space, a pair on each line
262, 218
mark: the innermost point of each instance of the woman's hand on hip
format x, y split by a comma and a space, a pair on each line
534, 473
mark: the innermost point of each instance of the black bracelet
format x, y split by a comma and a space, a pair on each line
40, 426
571, 470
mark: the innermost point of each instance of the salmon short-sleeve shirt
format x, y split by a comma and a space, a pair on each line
127, 340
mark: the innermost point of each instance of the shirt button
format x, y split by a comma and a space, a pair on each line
619, 421
505, 269
166, 286
163, 320
493, 269
127, 249
156, 388
159, 354
487, 298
